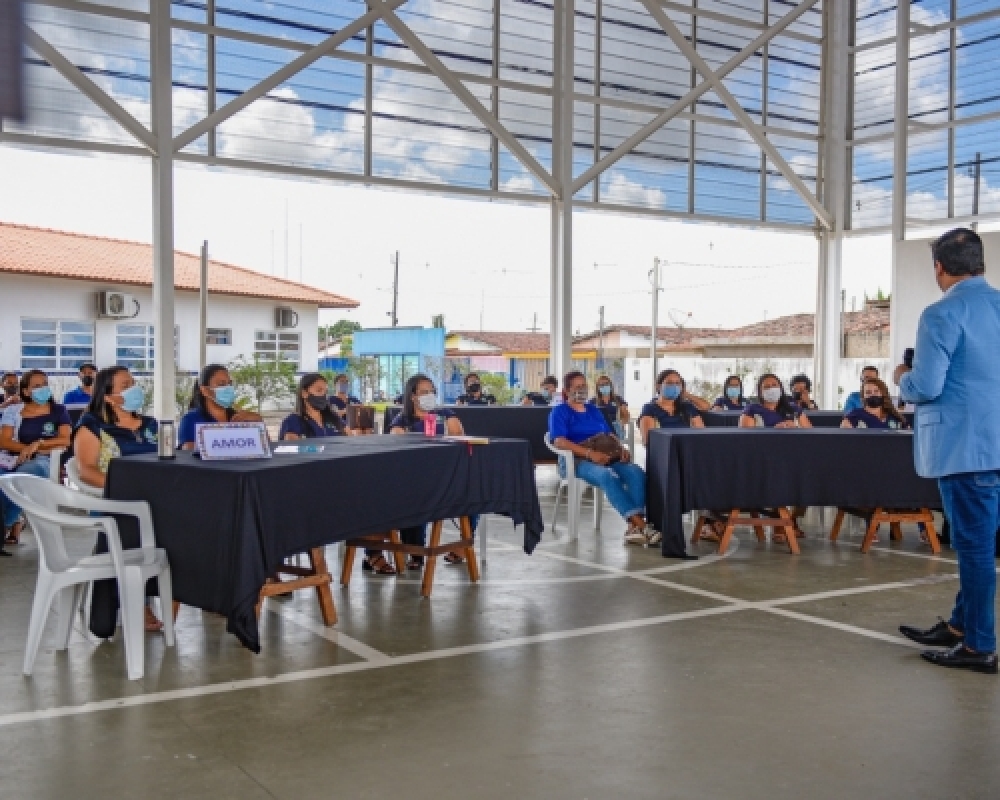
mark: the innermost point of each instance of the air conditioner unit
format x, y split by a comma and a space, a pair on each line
285, 318
117, 305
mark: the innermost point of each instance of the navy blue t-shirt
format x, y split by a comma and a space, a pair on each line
341, 405
766, 416
188, 428
307, 428
416, 424
611, 409
728, 405
44, 427
130, 443
862, 418
482, 400
684, 412
576, 426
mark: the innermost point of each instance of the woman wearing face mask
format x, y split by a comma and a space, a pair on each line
775, 409
732, 398
669, 409
419, 400
30, 432
877, 411
571, 424
211, 402
545, 396
313, 416
612, 405
341, 397
10, 396
474, 393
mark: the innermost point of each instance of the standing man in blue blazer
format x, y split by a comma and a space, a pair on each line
953, 383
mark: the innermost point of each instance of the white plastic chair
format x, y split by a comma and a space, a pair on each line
573, 488
55, 465
58, 574
74, 481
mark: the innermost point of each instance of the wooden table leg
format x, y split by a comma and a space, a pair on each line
465, 531
317, 559
430, 561
837, 524
348, 568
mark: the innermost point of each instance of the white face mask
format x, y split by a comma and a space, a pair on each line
771, 395
427, 402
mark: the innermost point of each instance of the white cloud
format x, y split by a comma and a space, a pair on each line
622, 191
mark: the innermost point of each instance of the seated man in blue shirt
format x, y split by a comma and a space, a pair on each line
854, 401
571, 425
81, 394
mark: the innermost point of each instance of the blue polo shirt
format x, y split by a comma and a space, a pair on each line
853, 402
307, 428
576, 426
76, 397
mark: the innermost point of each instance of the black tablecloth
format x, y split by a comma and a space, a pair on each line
227, 525
723, 468
530, 423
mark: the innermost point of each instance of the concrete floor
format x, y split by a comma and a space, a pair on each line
588, 670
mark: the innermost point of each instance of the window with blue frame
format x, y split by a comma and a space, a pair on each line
56, 344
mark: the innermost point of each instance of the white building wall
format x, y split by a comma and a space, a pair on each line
23, 296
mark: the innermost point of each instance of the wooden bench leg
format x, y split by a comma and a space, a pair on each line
465, 530
790, 531
317, 560
398, 557
758, 529
895, 531
696, 533
727, 534
932, 536
430, 562
870, 533
837, 524
345, 573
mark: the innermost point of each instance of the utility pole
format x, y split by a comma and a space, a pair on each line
395, 290
600, 350
655, 274
534, 323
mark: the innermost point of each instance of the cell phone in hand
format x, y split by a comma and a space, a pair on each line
908, 357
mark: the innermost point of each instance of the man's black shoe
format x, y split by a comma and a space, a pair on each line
938, 636
960, 657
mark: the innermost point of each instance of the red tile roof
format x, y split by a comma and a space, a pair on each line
504, 341
59, 254
867, 321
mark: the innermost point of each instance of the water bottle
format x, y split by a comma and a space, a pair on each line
166, 445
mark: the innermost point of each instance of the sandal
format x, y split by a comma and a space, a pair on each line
716, 529
415, 562
378, 565
454, 558
14, 536
152, 624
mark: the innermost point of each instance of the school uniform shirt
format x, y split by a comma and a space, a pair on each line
767, 417
117, 440
862, 418
340, 405
538, 399
685, 412
76, 397
728, 405
806, 406
482, 400
611, 409
307, 428
576, 426
187, 430
33, 429
416, 424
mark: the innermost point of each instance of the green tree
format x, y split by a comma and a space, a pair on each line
261, 380
496, 385
338, 330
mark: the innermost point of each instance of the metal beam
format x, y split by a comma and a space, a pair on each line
729, 19
930, 30
91, 90
900, 144
274, 80
467, 98
564, 79
678, 107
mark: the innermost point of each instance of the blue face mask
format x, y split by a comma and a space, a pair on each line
670, 391
41, 395
547, 394
733, 392
225, 396
604, 390
133, 399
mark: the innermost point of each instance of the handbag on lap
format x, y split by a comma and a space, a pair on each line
606, 443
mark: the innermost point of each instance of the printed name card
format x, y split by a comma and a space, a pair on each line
233, 440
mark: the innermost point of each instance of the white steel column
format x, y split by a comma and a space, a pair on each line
900, 130
164, 403
561, 300
835, 174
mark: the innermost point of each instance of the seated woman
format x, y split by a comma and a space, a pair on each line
419, 400
732, 398
211, 402
571, 424
774, 409
670, 409
612, 405
341, 397
802, 393
474, 395
112, 427
30, 432
877, 411
314, 416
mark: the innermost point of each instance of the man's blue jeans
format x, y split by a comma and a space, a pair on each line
623, 484
972, 505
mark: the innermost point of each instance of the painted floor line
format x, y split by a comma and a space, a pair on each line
843, 626
350, 644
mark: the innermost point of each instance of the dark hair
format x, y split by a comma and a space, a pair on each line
785, 406
568, 378
197, 398
87, 365
681, 408
550, 380
8, 375
22, 385
801, 378
886, 400
725, 385
328, 416
410, 391
99, 405
598, 400
465, 380
959, 252
869, 368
